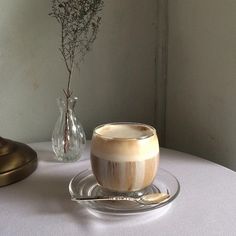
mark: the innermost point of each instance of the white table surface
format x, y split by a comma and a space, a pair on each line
40, 204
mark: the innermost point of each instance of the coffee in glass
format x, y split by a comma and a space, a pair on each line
124, 156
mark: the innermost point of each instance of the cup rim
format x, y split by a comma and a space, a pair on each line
127, 123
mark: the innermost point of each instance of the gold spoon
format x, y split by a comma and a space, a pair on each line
149, 199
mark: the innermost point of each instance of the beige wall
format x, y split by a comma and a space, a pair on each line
116, 82
201, 101
118, 79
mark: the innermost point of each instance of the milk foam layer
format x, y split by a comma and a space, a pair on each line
129, 131
125, 142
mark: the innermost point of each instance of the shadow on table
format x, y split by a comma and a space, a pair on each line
47, 194
47, 156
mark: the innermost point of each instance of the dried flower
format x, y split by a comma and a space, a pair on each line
79, 21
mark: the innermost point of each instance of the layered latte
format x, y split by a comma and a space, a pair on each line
124, 156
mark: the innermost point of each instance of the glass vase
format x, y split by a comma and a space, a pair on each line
68, 137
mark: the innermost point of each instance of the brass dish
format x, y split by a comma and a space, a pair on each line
17, 161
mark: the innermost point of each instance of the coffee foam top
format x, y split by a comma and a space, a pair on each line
126, 131
125, 142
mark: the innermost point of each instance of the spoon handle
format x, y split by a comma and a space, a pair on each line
103, 198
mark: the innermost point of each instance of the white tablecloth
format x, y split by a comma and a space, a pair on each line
40, 204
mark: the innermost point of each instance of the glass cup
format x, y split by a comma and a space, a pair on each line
124, 156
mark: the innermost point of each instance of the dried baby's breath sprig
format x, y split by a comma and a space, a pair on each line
79, 21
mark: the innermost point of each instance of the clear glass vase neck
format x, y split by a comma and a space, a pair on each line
62, 103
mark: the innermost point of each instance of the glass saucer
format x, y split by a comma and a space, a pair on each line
85, 185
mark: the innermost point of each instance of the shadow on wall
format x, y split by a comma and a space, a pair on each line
27, 48
115, 83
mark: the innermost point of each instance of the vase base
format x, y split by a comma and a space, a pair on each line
64, 159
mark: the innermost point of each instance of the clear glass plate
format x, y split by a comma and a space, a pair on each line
85, 185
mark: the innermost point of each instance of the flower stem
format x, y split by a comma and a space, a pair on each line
68, 94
